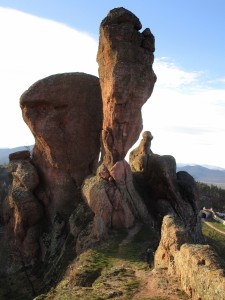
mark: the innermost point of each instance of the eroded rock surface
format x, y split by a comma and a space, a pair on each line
166, 191
23, 212
200, 270
64, 113
115, 203
125, 58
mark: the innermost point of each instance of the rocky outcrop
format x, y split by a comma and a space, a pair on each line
63, 199
115, 203
173, 236
172, 197
64, 113
167, 191
125, 58
23, 212
200, 270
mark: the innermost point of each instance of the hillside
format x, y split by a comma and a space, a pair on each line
203, 174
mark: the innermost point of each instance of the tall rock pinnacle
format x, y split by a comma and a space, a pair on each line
125, 58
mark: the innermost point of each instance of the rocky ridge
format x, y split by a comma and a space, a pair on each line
64, 200
199, 269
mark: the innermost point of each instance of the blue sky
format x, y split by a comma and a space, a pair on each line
191, 31
187, 108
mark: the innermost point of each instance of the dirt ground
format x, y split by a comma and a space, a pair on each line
155, 284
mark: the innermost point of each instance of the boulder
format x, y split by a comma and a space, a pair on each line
64, 113
173, 236
114, 200
25, 154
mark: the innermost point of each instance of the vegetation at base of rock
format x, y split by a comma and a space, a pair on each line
107, 270
216, 224
215, 239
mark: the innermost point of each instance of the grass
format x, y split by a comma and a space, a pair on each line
106, 271
215, 239
133, 252
218, 225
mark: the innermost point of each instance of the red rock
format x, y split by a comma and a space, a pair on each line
114, 200
198, 267
23, 212
108, 204
168, 192
125, 58
19, 155
64, 113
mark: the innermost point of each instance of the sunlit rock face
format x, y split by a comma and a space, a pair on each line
125, 58
64, 113
199, 268
115, 203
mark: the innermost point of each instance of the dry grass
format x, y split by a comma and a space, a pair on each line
215, 239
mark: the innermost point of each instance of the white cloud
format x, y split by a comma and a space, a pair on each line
222, 80
186, 124
171, 76
33, 48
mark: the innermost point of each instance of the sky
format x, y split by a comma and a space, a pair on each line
187, 108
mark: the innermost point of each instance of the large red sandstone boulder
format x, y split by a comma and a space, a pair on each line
64, 113
125, 58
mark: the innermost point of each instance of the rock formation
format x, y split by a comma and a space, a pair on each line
64, 113
199, 268
125, 58
167, 191
64, 195
116, 204
172, 197
23, 211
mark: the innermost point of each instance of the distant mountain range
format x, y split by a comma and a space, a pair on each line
209, 174
4, 153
